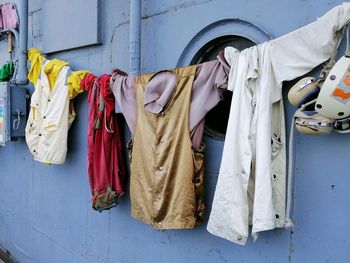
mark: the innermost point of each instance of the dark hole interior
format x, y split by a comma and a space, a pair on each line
216, 120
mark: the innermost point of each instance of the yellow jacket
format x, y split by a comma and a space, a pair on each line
73, 82
52, 67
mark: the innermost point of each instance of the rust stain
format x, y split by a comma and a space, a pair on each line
175, 8
112, 38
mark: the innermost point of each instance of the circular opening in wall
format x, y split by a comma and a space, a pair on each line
216, 120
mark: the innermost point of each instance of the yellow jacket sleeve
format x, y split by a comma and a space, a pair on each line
73, 82
36, 60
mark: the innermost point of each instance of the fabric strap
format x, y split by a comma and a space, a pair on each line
347, 51
333, 58
290, 182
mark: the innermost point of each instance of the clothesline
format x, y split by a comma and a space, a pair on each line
166, 170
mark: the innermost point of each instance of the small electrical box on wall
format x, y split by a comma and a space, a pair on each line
13, 112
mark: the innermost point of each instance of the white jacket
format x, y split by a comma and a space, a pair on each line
49, 119
251, 187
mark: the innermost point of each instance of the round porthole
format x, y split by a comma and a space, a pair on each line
206, 45
216, 120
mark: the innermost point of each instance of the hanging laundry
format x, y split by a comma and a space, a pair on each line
6, 72
163, 111
106, 165
251, 187
52, 69
8, 20
36, 60
74, 81
8, 16
210, 81
50, 117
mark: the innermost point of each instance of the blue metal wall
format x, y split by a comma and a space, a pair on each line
45, 212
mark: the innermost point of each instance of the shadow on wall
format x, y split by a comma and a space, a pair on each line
5, 256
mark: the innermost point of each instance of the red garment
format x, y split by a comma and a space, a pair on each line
106, 165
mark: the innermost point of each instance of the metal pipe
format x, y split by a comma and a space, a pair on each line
22, 76
14, 32
135, 37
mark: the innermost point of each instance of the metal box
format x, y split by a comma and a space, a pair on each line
13, 112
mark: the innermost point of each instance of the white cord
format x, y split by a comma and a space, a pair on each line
347, 51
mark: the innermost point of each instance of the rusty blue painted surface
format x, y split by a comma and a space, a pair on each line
45, 213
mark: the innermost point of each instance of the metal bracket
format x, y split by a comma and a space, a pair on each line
16, 122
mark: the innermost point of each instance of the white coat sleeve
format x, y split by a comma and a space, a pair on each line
300, 51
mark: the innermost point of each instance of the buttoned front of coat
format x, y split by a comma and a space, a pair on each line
49, 119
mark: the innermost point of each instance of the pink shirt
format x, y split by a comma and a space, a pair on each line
210, 81
8, 16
